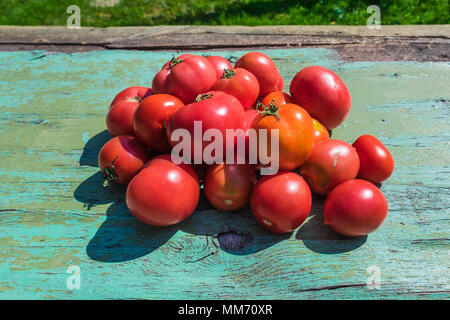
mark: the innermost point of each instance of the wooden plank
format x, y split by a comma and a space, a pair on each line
354, 43
55, 213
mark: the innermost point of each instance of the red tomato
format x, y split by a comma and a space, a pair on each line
227, 186
278, 97
185, 77
182, 57
263, 69
121, 158
331, 163
132, 94
220, 64
163, 193
320, 132
239, 83
150, 118
249, 118
377, 163
296, 133
280, 83
281, 202
323, 94
215, 110
355, 208
119, 120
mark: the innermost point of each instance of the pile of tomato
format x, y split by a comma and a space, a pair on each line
248, 95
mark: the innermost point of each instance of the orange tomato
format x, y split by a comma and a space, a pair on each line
279, 97
227, 186
296, 133
320, 132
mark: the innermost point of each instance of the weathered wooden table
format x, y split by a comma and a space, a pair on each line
55, 213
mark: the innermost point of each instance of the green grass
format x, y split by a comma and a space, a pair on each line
223, 12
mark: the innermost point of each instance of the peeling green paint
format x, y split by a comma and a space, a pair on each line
55, 213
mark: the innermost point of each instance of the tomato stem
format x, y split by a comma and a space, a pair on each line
203, 96
173, 62
110, 173
270, 110
228, 73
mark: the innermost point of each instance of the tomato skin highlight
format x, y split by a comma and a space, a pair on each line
279, 97
227, 186
331, 163
220, 64
320, 132
281, 202
377, 163
132, 94
163, 193
355, 208
185, 77
263, 68
296, 134
127, 154
220, 111
150, 118
323, 94
242, 84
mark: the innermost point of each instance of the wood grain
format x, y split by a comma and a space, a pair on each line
55, 213
353, 43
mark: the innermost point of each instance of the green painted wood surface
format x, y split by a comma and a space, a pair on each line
55, 213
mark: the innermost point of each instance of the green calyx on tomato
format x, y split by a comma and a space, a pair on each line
173, 62
270, 110
228, 73
110, 173
203, 96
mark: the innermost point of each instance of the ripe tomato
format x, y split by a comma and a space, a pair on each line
262, 68
119, 120
323, 94
220, 64
239, 83
330, 163
281, 202
227, 186
163, 193
121, 158
132, 94
215, 110
150, 118
185, 77
377, 163
355, 208
320, 132
280, 83
278, 97
296, 133
182, 57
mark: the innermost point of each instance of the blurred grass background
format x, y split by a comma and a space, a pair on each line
107, 13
